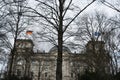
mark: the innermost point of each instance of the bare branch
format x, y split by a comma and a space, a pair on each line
77, 15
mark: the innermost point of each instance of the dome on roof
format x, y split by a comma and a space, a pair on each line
65, 49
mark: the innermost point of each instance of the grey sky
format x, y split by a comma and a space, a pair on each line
90, 10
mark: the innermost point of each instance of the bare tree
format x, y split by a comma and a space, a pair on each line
54, 15
14, 24
96, 28
114, 44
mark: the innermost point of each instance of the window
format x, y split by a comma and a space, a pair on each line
71, 63
78, 76
32, 74
96, 47
20, 62
71, 75
28, 45
45, 74
18, 72
35, 63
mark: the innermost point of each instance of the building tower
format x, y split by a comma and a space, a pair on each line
98, 59
21, 61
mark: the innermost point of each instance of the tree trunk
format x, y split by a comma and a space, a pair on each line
60, 42
14, 47
11, 63
59, 59
39, 73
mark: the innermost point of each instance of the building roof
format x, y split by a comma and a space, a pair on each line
25, 40
65, 49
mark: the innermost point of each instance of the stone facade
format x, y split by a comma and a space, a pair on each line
42, 66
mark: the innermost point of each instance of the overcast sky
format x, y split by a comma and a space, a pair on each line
90, 10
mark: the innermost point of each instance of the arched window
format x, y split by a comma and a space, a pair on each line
20, 61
